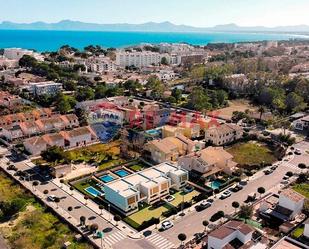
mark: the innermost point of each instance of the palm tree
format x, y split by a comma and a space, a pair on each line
216, 191
261, 191
235, 205
205, 224
245, 212
117, 218
45, 192
182, 237
70, 209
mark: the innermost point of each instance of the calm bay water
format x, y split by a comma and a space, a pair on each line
52, 40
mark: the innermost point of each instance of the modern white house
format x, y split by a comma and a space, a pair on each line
292, 201
149, 185
222, 236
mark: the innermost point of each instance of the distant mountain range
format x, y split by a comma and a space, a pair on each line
68, 25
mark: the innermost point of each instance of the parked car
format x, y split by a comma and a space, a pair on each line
285, 177
285, 182
225, 194
205, 204
169, 198
268, 171
274, 167
251, 197
297, 152
51, 197
167, 225
243, 183
210, 200
188, 189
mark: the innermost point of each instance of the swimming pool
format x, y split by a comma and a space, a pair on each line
122, 173
107, 178
215, 184
94, 192
154, 132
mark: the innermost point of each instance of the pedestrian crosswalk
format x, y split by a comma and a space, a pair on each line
159, 241
113, 238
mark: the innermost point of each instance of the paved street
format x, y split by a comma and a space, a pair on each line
190, 224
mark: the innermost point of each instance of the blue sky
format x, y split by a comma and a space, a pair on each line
201, 13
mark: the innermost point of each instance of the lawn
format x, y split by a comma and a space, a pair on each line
252, 153
302, 189
147, 213
138, 166
33, 227
180, 196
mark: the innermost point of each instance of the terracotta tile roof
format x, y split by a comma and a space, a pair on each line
35, 141
229, 228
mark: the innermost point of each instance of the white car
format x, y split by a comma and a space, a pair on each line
225, 194
167, 225
51, 197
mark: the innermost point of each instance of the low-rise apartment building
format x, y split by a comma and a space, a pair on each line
46, 87
223, 134
149, 186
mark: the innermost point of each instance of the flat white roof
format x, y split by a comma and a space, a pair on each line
123, 188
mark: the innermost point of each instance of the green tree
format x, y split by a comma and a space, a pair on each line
245, 212
164, 61
85, 93
156, 86
27, 61
294, 102
177, 93
199, 100
53, 154
65, 103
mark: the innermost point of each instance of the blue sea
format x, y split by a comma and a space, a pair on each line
52, 40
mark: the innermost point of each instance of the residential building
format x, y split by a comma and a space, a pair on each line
170, 149
66, 139
12, 132
171, 131
78, 137
223, 134
209, 161
8, 100
139, 59
42, 88
154, 116
191, 130
149, 185
225, 234
291, 202
100, 64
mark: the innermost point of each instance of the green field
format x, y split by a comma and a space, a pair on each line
251, 153
30, 226
302, 189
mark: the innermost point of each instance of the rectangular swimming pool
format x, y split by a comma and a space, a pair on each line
121, 173
107, 178
215, 184
93, 191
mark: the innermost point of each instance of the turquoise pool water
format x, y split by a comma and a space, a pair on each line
153, 132
215, 184
122, 173
94, 192
107, 178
